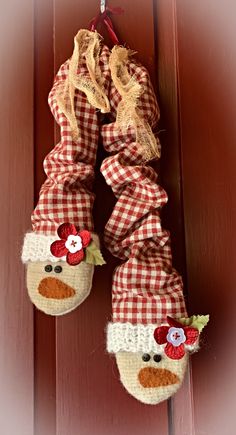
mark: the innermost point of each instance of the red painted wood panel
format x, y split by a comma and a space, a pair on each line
16, 200
90, 398
77, 387
207, 71
45, 359
180, 406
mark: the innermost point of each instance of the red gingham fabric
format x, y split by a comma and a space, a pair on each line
145, 286
66, 195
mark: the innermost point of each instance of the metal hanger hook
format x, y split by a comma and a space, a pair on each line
102, 6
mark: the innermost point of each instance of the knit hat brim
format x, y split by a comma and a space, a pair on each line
36, 247
127, 337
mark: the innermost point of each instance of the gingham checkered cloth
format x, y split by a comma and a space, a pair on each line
66, 195
145, 286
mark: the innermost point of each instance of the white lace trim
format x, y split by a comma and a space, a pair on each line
135, 338
36, 247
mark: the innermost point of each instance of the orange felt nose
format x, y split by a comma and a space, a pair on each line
150, 377
55, 289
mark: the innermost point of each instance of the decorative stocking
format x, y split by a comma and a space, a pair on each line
150, 334
62, 249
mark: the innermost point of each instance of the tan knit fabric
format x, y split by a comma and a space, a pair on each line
150, 382
58, 293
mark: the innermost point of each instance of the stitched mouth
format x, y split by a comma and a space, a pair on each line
150, 377
54, 288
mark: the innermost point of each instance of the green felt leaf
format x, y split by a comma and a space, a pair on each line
198, 322
94, 255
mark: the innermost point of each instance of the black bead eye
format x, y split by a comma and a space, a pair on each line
146, 357
58, 269
157, 358
48, 268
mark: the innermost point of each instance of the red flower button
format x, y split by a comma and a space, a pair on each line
176, 336
72, 243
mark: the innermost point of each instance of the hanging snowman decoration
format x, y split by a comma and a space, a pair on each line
150, 333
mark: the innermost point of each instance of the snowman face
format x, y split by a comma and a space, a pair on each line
150, 378
58, 288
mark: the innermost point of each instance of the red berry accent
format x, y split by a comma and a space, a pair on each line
86, 237
174, 352
76, 258
160, 334
66, 230
58, 248
192, 335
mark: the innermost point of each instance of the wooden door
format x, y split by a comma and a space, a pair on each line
56, 378
16, 201
89, 398
207, 108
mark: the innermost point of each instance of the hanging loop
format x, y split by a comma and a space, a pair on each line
102, 6
104, 17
